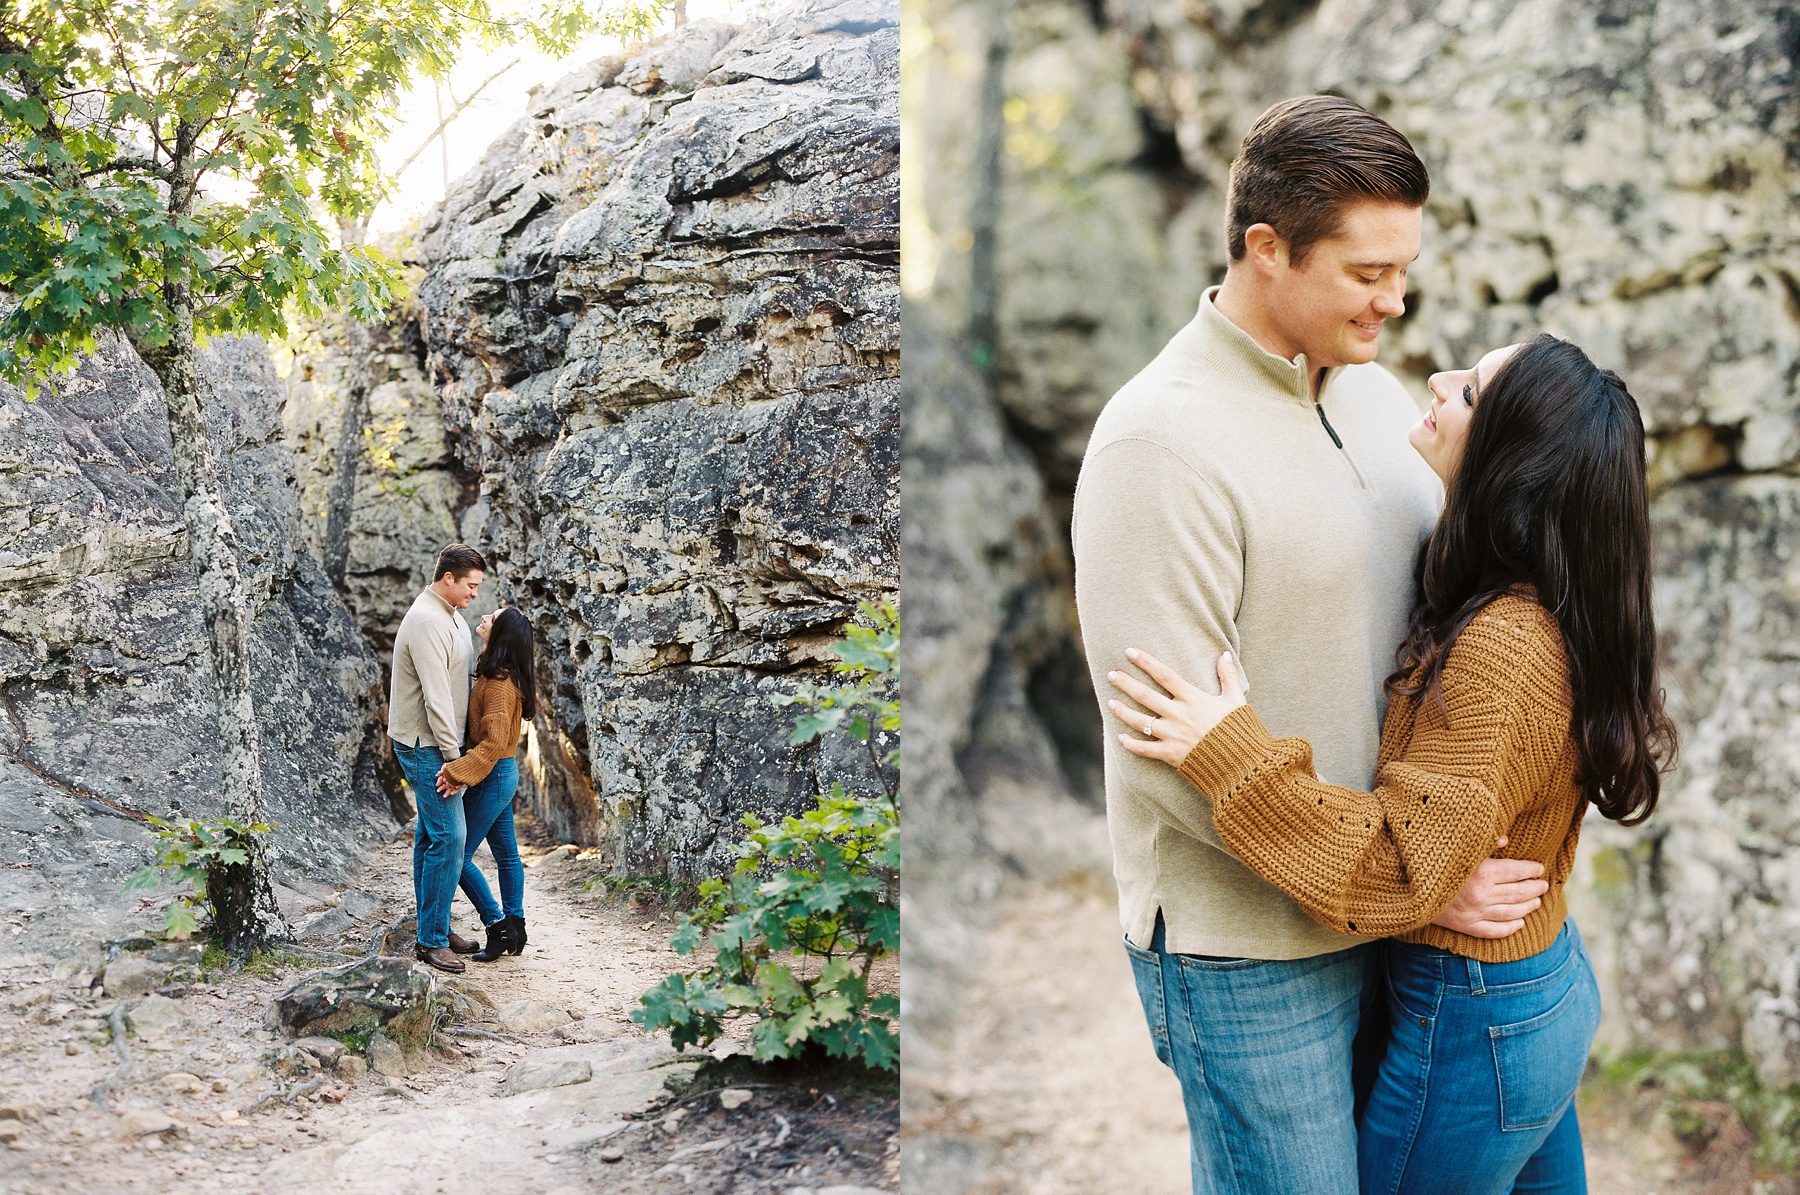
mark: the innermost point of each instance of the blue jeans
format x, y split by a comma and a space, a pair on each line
1476, 1095
490, 815
1264, 1051
437, 843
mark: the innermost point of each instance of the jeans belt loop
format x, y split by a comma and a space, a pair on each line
1475, 985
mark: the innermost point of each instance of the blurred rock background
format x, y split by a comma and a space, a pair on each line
1622, 173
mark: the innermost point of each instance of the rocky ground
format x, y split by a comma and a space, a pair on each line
216, 1101
1055, 1091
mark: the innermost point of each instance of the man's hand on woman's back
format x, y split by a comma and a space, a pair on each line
1497, 898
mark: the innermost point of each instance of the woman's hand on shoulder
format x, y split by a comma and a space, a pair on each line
1179, 714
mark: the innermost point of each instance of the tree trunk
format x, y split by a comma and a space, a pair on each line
342, 496
225, 608
679, 10
983, 331
358, 336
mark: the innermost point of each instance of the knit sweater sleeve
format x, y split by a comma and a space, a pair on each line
1384, 862
499, 719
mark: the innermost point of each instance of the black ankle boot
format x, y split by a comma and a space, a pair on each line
515, 941
498, 935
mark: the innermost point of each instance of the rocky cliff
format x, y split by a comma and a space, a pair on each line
1619, 173
663, 320
408, 494
105, 676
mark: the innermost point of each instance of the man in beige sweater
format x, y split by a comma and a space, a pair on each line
1252, 490
428, 707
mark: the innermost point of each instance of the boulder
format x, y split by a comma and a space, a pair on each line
389, 1058
376, 993
326, 1049
664, 320
129, 975
154, 1017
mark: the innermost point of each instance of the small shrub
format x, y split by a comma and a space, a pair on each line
212, 854
813, 901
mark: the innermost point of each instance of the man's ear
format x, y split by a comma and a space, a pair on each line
1264, 248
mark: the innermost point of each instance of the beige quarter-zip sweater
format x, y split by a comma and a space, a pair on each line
428, 702
1216, 512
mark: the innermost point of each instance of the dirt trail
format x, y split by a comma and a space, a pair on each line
447, 1128
1056, 1091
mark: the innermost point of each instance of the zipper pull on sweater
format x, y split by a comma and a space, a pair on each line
1326, 423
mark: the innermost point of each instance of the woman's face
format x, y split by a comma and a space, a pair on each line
1440, 435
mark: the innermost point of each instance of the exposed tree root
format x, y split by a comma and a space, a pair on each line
118, 1035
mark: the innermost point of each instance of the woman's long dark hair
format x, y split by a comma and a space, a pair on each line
508, 654
1550, 493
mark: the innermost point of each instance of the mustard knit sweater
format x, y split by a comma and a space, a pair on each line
1496, 758
495, 711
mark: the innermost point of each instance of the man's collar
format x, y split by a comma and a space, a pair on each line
441, 600
1216, 331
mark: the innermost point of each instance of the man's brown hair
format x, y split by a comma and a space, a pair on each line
1305, 159
458, 560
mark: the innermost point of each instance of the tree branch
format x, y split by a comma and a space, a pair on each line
455, 112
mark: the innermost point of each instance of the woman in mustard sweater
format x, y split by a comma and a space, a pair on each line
1523, 693
505, 693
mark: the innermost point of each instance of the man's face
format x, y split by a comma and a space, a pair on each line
1331, 307
460, 591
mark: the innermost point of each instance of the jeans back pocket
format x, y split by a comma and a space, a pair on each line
1539, 1062
1146, 970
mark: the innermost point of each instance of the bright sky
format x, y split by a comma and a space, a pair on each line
499, 104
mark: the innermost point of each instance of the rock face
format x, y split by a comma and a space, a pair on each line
663, 317
1617, 173
410, 495
104, 671
987, 581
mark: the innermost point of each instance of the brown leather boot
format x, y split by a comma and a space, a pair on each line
462, 945
441, 958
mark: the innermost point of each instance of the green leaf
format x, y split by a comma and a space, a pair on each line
178, 921
142, 880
